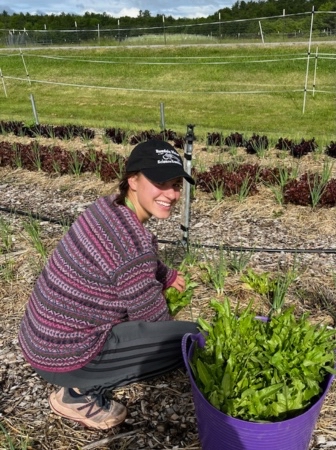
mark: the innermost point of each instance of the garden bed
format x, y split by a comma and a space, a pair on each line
161, 412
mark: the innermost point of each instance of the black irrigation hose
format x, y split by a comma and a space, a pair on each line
252, 249
184, 244
19, 212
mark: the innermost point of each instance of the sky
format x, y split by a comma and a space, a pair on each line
118, 8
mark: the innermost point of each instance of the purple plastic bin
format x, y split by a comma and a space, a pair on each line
218, 431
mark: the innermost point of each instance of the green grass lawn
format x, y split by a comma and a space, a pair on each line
245, 89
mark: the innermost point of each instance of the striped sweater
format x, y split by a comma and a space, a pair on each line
104, 271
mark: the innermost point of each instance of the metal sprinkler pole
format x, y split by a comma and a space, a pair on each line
188, 148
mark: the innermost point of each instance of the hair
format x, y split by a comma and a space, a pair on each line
123, 188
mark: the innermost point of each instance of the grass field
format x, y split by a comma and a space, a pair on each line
245, 89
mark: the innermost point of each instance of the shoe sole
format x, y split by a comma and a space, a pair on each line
68, 414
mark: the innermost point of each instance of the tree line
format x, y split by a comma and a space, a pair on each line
239, 10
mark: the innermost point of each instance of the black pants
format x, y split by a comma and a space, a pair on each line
134, 351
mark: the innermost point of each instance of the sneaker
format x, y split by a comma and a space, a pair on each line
94, 411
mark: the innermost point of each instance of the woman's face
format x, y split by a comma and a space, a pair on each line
153, 199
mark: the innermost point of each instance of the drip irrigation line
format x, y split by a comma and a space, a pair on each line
251, 249
32, 215
181, 243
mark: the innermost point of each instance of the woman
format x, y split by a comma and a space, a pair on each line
97, 317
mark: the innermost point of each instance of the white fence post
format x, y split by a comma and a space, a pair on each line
3, 83
315, 71
308, 57
24, 65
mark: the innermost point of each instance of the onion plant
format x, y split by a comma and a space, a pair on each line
259, 146
3, 130
76, 164
244, 189
194, 254
33, 229
232, 166
217, 189
36, 157
56, 166
316, 188
201, 167
17, 156
51, 132
93, 157
284, 175
215, 271
327, 169
70, 135
233, 150
112, 156
295, 169
106, 139
66, 224
7, 269
280, 289
318, 182
238, 261
5, 236
278, 193
120, 169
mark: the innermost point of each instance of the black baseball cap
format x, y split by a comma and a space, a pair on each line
158, 161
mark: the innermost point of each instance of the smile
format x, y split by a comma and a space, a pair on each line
165, 204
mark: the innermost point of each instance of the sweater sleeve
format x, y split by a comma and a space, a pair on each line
140, 291
165, 275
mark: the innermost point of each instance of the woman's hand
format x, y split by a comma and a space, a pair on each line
179, 282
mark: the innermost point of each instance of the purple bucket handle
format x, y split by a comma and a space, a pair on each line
187, 340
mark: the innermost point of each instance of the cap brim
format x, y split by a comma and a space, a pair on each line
163, 174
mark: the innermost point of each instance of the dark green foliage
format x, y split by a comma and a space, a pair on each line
239, 10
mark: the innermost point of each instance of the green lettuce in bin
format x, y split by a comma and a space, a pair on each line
262, 370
